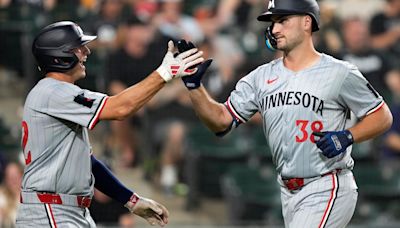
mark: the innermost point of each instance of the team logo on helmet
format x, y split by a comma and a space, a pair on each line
271, 4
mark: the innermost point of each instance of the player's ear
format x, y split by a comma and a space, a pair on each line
307, 22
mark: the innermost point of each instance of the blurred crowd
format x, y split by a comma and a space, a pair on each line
132, 40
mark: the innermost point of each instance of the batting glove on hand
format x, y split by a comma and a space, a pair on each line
194, 81
153, 212
176, 67
333, 143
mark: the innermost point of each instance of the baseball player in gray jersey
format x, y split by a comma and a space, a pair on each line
304, 99
61, 171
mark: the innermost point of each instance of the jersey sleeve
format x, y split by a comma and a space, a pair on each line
242, 101
358, 95
74, 104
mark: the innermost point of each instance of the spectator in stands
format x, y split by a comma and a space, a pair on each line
4, 3
73, 10
9, 194
391, 143
171, 115
220, 78
145, 10
328, 39
141, 52
106, 23
228, 31
358, 51
171, 21
385, 29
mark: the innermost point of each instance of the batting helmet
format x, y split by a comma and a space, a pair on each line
52, 47
290, 7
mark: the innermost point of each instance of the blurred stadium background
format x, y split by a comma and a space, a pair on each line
163, 152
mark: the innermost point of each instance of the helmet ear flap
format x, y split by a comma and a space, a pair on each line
270, 40
57, 64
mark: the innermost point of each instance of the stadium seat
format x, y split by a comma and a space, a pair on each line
377, 181
207, 159
252, 195
379, 192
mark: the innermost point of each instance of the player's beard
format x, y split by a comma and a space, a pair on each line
289, 43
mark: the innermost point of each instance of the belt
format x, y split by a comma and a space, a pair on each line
297, 183
54, 198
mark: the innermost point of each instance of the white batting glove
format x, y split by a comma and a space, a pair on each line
153, 212
176, 67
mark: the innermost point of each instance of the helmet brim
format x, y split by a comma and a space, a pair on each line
267, 16
85, 39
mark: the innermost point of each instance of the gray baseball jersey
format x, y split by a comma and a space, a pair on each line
294, 104
55, 137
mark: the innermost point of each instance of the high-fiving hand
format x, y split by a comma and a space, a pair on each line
194, 81
177, 67
153, 212
333, 143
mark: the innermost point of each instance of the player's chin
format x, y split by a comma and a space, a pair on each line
280, 45
81, 74
284, 47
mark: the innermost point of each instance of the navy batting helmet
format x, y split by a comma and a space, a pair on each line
52, 47
290, 7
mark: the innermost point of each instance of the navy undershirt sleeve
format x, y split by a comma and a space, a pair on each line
107, 183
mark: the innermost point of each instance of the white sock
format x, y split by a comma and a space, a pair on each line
169, 176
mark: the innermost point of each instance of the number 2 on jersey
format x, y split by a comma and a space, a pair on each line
304, 133
25, 134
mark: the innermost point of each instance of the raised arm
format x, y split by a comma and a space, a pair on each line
213, 114
133, 98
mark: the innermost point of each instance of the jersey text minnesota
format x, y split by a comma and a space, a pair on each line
293, 98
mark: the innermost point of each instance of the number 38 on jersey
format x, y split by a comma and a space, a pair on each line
306, 128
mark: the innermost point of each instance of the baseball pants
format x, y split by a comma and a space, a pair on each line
328, 201
53, 216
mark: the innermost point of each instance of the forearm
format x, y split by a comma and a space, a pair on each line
108, 184
133, 98
372, 125
213, 114
385, 40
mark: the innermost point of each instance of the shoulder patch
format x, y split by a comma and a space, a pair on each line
81, 99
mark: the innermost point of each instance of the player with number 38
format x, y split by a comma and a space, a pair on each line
305, 99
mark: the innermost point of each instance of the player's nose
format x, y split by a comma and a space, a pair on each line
86, 50
276, 28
